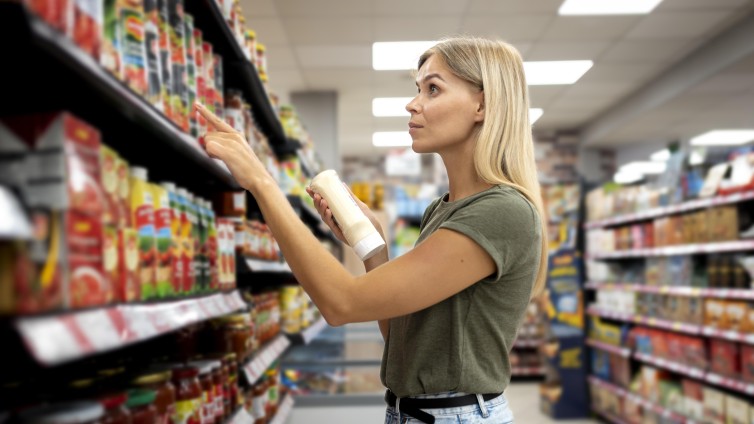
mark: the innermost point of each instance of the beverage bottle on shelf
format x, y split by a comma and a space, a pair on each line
142, 209
193, 218
187, 242
357, 229
177, 269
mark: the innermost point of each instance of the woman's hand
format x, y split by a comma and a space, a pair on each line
225, 143
324, 211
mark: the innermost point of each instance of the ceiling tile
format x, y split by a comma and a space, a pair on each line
589, 28
342, 79
675, 5
407, 29
725, 84
342, 56
566, 50
515, 6
648, 51
323, 8
420, 7
509, 28
318, 30
258, 8
669, 25
285, 81
280, 58
542, 95
620, 73
270, 31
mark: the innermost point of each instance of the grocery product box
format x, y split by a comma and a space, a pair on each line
177, 28
87, 25
128, 288
714, 313
163, 226
163, 26
131, 46
191, 74
152, 54
723, 223
725, 358
738, 410
693, 400
747, 363
714, 406
736, 315
748, 325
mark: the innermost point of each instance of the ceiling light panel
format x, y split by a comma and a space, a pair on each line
390, 106
607, 7
534, 114
723, 138
391, 139
556, 72
390, 56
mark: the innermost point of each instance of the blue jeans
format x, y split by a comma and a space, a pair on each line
492, 411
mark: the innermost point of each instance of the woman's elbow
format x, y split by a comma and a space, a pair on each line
335, 316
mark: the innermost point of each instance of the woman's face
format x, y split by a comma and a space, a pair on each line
445, 110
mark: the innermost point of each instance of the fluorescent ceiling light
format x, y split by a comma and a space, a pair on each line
607, 7
391, 139
534, 114
644, 167
696, 157
627, 177
660, 155
390, 106
388, 56
556, 72
723, 138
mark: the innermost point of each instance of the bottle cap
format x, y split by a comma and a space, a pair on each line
139, 172
369, 246
168, 186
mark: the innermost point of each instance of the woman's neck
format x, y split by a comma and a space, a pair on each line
463, 180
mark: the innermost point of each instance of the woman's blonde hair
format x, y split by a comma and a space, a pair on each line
504, 151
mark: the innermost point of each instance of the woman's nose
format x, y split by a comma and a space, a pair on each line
413, 106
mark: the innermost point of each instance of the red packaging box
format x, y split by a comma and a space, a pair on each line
128, 287
725, 357
57, 13
87, 26
86, 283
747, 363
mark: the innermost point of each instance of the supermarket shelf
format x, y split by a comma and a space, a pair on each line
622, 351
527, 343
665, 413
118, 107
284, 410
311, 217
54, 339
680, 327
261, 265
241, 416
527, 371
685, 249
670, 365
238, 71
289, 147
308, 334
256, 366
608, 417
670, 210
744, 294
735, 336
730, 383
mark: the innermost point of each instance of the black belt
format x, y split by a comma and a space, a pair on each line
413, 406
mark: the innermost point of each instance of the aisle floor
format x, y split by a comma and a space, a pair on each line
523, 397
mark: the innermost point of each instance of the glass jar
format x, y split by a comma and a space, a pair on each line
165, 393
141, 404
115, 409
208, 391
262, 61
235, 335
251, 46
219, 390
64, 413
259, 402
234, 110
188, 395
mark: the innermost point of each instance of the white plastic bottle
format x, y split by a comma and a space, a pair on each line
356, 227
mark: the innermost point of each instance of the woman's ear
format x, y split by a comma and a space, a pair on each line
479, 114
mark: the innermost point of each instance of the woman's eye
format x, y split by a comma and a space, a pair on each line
433, 89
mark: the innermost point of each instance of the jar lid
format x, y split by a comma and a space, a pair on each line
250, 33
152, 378
236, 318
261, 47
63, 413
113, 400
188, 371
140, 397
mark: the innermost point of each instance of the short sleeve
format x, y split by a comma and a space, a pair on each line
504, 224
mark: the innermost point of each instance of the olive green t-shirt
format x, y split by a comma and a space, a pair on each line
462, 343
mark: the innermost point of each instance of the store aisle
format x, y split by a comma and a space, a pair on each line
523, 397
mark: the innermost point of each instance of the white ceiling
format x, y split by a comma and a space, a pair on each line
326, 45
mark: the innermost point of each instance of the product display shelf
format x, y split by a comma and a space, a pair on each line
685, 249
121, 107
527, 371
284, 410
731, 335
239, 72
305, 336
676, 326
742, 294
611, 418
710, 377
676, 367
527, 343
261, 265
670, 210
261, 361
311, 217
621, 351
58, 338
665, 413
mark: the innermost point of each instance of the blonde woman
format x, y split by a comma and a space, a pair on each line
450, 308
